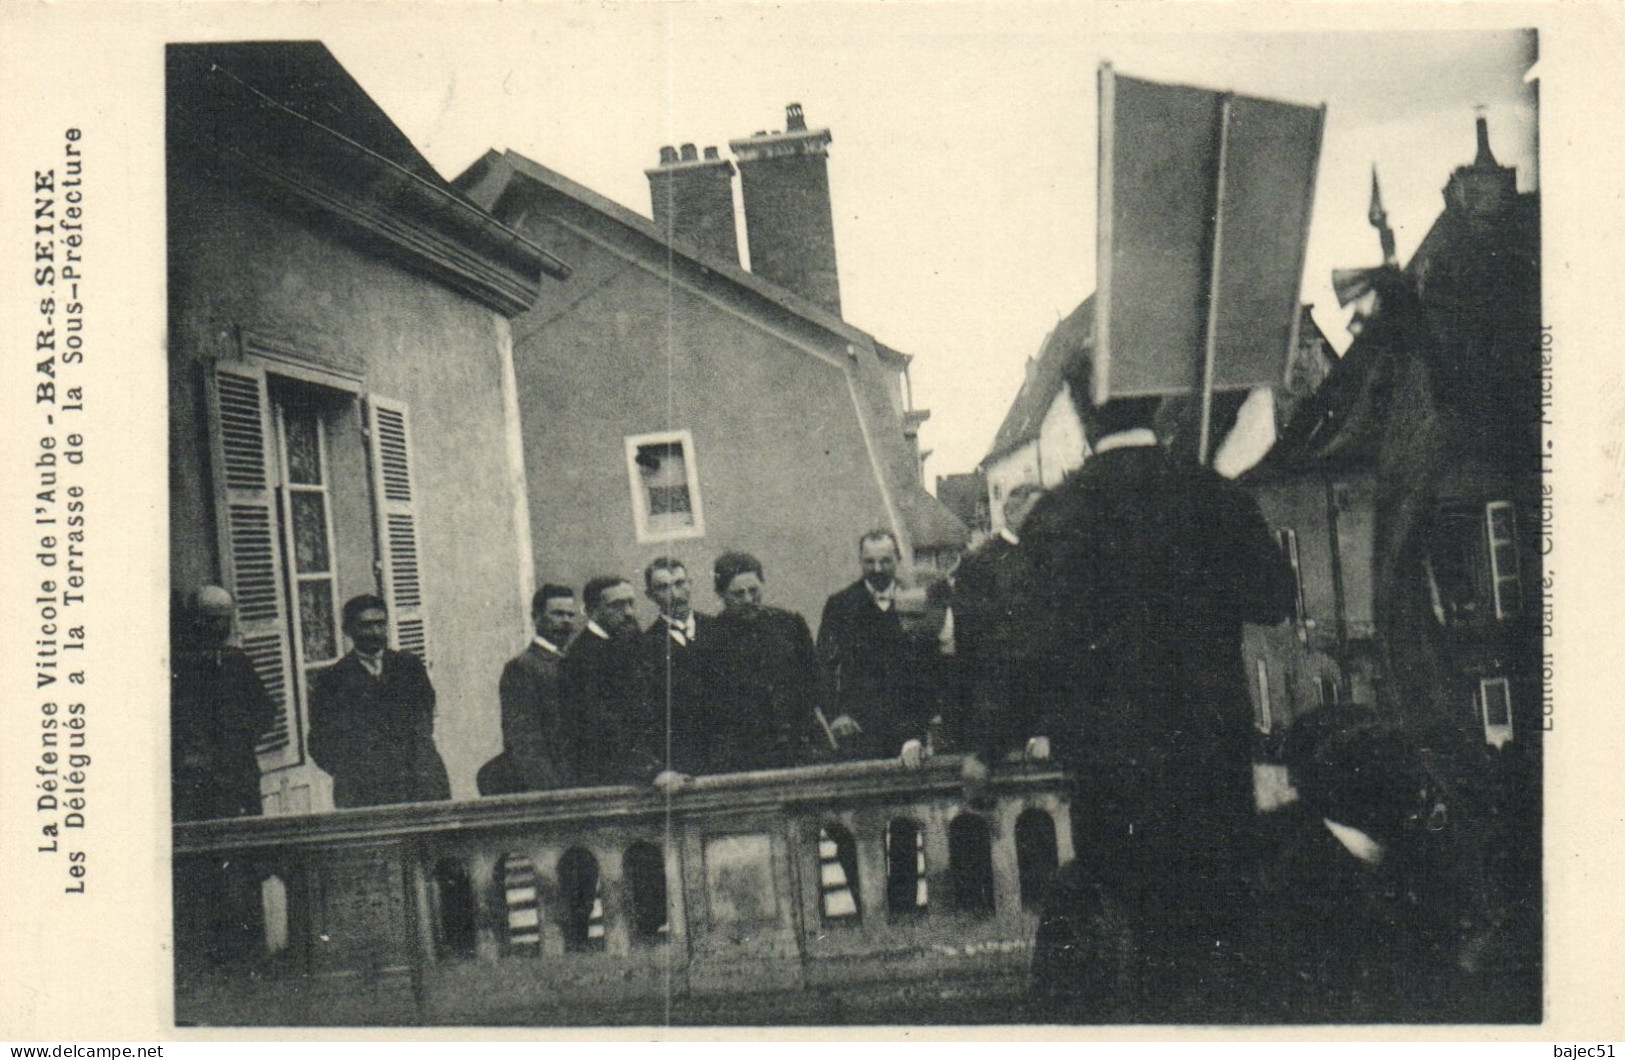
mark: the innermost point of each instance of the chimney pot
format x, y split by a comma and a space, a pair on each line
794, 120
694, 203
1485, 158
1484, 188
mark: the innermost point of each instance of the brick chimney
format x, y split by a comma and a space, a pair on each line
785, 180
1484, 188
693, 199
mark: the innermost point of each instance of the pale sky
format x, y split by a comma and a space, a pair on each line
963, 162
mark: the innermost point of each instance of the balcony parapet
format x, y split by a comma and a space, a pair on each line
764, 893
802, 788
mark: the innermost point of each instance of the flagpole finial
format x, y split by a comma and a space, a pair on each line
1379, 220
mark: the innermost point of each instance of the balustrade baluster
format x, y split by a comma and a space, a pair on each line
617, 901
1006, 872
490, 907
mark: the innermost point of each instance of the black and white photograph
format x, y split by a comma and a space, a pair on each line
847, 516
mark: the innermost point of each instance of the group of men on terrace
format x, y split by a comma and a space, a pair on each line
694, 693
1102, 624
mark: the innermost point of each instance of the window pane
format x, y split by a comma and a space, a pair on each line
1501, 522
662, 464
309, 532
670, 500
1461, 567
304, 448
320, 640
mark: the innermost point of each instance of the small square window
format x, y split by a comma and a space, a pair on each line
1495, 707
665, 486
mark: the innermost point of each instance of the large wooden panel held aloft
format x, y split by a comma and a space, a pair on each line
1204, 205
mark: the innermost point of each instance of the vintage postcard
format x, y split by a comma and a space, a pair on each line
829, 519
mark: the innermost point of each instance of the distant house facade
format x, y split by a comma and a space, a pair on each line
966, 496
1459, 511
1407, 491
343, 417
1317, 490
1316, 487
1041, 438
673, 403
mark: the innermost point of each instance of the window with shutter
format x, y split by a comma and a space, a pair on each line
394, 493
250, 552
1472, 564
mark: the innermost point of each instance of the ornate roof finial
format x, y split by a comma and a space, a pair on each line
1379, 220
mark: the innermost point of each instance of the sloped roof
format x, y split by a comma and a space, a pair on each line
492, 174
1338, 425
290, 118
304, 77
1469, 278
927, 522
1072, 340
931, 525
962, 494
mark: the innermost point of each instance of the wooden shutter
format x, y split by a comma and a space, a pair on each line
395, 494
250, 557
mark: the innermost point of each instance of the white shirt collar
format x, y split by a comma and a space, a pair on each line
1135, 437
547, 645
373, 664
596, 630
1355, 841
688, 627
882, 597
1006, 533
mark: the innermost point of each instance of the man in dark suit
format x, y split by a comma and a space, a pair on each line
878, 680
218, 710
372, 718
674, 649
1137, 574
993, 686
760, 678
533, 757
611, 733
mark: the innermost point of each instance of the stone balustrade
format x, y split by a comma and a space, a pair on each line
828, 893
